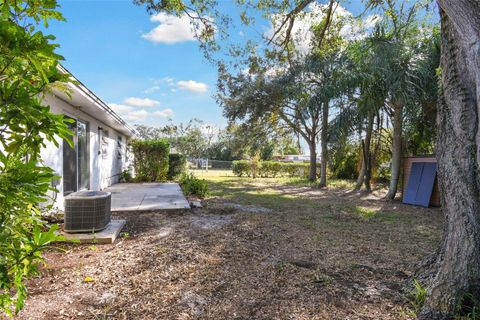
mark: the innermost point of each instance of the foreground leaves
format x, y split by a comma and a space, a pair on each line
28, 70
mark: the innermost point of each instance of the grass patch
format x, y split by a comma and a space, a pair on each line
340, 184
364, 213
417, 297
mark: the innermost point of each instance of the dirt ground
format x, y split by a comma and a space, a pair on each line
257, 250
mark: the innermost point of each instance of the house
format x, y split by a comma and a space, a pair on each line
295, 158
99, 153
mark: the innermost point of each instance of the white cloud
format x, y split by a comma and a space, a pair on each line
139, 102
142, 116
165, 113
120, 108
151, 89
137, 115
171, 30
168, 80
193, 86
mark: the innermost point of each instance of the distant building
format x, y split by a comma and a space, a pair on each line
294, 158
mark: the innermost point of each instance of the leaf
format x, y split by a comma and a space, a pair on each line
88, 279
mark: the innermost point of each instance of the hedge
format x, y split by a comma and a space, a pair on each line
150, 160
177, 165
270, 169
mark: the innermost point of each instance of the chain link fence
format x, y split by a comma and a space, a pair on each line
216, 167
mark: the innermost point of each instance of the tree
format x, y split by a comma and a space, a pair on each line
452, 274
28, 71
257, 139
396, 51
191, 139
282, 98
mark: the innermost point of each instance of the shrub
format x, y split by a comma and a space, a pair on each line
296, 169
270, 169
191, 185
255, 167
250, 168
23, 184
126, 176
346, 167
150, 160
177, 165
241, 168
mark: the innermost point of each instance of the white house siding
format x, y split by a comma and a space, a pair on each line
105, 169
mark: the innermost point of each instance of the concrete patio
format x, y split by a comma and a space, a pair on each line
147, 197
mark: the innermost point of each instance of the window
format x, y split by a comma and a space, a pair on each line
119, 147
103, 142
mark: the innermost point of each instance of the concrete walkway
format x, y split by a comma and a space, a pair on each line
147, 197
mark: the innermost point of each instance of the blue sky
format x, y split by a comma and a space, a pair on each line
147, 75
103, 47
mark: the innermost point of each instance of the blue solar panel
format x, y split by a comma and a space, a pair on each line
413, 183
426, 184
420, 183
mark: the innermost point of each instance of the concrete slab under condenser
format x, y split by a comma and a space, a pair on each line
105, 236
147, 197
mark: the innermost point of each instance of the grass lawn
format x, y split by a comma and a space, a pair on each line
259, 249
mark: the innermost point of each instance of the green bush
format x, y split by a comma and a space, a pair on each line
270, 169
296, 169
241, 168
23, 185
150, 160
126, 176
346, 168
255, 167
250, 168
191, 185
177, 165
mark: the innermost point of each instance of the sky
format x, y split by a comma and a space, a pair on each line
149, 69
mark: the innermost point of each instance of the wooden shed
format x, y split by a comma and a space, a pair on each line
407, 165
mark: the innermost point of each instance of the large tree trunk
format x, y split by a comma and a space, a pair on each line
324, 142
312, 176
455, 271
396, 149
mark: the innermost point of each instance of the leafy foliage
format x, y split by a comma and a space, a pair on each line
29, 69
198, 140
150, 160
126, 176
177, 165
191, 185
417, 296
270, 169
241, 168
344, 161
